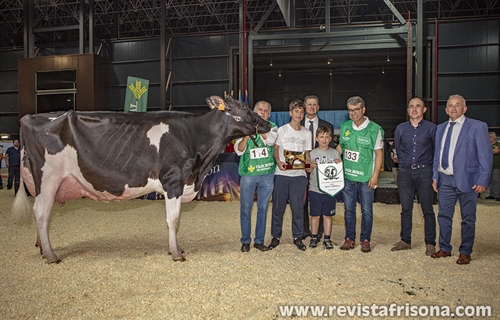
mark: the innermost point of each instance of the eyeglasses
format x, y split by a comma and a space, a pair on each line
354, 110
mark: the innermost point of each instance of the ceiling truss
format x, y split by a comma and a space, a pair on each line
132, 19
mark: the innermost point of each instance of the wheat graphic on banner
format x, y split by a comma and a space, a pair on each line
136, 97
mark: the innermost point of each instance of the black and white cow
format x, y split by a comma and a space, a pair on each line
113, 156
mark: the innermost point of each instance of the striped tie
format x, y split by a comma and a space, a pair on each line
446, 148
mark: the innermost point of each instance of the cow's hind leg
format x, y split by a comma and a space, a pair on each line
173, 208
42, 207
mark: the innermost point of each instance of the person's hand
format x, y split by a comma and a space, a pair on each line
311, 167
373, 182
478, 188
435, 185
281, 165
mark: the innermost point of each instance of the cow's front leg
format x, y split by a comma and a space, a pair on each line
173, 208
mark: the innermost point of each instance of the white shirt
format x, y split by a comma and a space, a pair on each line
315, 121
453, 142
292, 140
271, 137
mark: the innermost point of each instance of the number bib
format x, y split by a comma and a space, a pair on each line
350, 155
259, 153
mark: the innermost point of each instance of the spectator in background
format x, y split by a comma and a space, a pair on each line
13, 163
494, 184
1, 157
395, 161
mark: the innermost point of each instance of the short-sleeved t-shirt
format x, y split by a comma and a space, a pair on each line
321, 156
292, 140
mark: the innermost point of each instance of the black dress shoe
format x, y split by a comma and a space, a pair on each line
260, 246
299, 244
274, 243
245, 247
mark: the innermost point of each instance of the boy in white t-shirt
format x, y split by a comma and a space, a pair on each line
290, 185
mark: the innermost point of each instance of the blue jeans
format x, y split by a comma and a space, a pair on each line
264, 185
419, 180
352, 191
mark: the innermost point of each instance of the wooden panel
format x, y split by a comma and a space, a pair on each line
91, 77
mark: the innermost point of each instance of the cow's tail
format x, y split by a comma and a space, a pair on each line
21, 208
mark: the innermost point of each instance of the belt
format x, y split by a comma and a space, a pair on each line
418, 166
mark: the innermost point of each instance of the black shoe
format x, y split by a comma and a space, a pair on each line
260, 246
274, 243
489, 197
8, 188
245, 247
497, 198
314, 242
328, 244
306, 234
299, 244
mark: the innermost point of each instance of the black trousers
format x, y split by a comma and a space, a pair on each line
14, 176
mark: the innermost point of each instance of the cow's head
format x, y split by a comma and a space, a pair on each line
248, 122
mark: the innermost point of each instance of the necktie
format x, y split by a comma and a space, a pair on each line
311, 128
446, 148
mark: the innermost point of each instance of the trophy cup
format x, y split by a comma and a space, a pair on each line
295, 160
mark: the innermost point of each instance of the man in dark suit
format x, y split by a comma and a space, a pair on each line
311, 122
461, 170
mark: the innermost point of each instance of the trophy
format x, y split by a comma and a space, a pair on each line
295, 160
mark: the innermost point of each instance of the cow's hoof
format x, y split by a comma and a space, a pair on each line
57, 261
181, 259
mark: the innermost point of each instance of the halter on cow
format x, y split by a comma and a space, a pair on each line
113, 156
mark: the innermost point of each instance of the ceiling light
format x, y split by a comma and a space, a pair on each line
280, 73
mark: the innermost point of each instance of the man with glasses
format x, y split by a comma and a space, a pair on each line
361, 143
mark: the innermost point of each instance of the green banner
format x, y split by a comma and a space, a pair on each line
136, 98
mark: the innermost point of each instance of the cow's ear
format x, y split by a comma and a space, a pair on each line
216, 102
